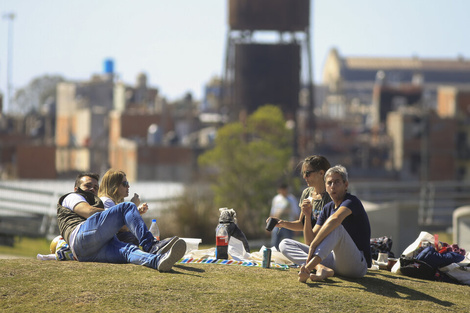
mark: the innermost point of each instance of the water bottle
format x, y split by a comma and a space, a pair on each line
155, 230
221, 239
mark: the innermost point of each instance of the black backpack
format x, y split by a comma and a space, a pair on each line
418, 269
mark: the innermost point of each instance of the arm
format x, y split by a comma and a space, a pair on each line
307, 227
322, 231
86, 210
294, 225
291, 225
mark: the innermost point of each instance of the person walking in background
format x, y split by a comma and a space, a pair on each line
114, 188
341, 242
284, 207
90, 230
312, 201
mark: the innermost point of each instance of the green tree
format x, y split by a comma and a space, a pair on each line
246, 164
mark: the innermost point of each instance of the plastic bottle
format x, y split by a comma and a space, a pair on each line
155, 230
221, 238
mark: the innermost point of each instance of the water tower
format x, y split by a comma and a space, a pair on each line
268, 45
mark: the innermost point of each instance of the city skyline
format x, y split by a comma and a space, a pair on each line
180, 45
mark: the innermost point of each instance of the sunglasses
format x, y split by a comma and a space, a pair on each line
125, 184
307, 173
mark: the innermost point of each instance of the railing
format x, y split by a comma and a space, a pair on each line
29, 208
435, 201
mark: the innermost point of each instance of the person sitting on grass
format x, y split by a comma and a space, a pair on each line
341, 242
91, 231
312, 201
114, 188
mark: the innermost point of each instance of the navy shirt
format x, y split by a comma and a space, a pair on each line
356, 224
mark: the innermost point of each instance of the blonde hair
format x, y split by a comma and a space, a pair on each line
110, 183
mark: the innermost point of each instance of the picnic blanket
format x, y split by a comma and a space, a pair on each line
236, 251
237, 256
230, 262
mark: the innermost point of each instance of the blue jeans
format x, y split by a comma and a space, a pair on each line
96, 239
278, 234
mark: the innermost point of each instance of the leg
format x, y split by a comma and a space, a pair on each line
116, 251
101, 227
339, 253
127, 237
295, 251
279, 234
275, 239
321, 273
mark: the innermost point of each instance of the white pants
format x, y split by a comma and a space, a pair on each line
337, 251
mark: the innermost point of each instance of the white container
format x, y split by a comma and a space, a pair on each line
192, 244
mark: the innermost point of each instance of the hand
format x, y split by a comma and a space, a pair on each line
136, 199
306, 207
143, 208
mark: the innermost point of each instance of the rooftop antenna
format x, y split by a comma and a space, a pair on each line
10, 17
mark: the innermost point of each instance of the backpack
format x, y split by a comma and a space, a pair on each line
418, 269
381, 245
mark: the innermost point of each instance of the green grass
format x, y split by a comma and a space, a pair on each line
27, 247
30, 285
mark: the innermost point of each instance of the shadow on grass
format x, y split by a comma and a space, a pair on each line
187, 268
385, 288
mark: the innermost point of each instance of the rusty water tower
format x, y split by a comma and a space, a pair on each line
268, 44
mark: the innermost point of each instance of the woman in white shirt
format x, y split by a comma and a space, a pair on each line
113, 189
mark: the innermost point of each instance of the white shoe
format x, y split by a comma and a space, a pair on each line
171, 257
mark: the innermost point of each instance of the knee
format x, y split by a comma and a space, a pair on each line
283, 245
128, 206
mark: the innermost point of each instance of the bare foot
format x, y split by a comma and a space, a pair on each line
322, 273
304, 274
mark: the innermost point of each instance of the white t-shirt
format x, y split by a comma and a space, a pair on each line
108, 202
285, 207
72, 200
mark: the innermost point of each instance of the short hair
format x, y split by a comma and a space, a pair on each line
338, 169
317, 162
81, 175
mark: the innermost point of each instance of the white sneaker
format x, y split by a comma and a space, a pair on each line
171, 257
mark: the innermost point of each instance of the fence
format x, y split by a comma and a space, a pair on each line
435, 201
28, 208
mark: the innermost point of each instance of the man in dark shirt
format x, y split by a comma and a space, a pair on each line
341, 241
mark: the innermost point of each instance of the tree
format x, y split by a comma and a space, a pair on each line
36, 94
247, 162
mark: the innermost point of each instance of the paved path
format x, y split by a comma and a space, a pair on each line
6, 256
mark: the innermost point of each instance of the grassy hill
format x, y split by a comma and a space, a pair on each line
30, 285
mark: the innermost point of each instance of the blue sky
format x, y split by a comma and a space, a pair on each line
180, 44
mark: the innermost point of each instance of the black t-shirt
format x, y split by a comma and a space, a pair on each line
356, 224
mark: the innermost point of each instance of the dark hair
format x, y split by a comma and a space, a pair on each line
317, 162
79, 177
